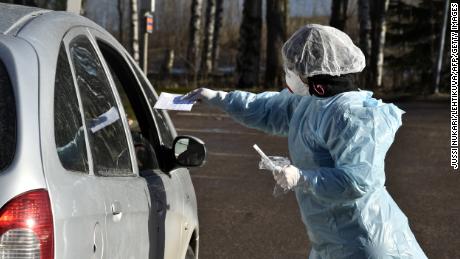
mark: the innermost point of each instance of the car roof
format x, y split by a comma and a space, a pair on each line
13, 17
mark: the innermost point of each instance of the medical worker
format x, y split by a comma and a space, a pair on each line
338, 137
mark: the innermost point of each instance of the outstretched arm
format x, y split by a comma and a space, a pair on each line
270, 112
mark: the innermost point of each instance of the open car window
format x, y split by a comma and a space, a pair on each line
140, 122
166, 133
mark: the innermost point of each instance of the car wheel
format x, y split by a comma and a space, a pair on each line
190, 254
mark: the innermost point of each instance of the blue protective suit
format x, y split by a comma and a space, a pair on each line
339, 144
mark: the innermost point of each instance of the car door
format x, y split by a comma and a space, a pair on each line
179, 181
78, 206
167, 219
112, 155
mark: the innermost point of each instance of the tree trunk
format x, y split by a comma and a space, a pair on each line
120, 7
168, 63
248, 60
73, 6
437, 77
379, 9
206, 58
194, 35
339, 14
276, 36
365, 37
135, 30
60, 5
23, 2
217, 26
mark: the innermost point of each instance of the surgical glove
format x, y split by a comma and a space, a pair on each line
267, 164
287, 177
203, 94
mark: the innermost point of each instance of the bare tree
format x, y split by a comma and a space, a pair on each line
23, 2
206, 58
364, 35
248, 59
135, 30
378, 10
437, 77
194, 35
217, 27
48, 4
277, 11
74, 6
120, 8
339, 14
54, 4
83, 10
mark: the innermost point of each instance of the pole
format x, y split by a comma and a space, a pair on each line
441, 48
135, 29
146, 49
148, 30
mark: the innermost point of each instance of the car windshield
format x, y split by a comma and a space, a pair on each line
7, 119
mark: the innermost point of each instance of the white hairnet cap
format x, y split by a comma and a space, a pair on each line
322, 50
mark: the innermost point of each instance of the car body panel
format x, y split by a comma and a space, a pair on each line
14, 17
191, 224
82, 204
84, 223
26, 170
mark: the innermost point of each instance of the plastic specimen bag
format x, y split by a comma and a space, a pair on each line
273, 164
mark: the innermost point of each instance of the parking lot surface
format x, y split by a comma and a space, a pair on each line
239, 217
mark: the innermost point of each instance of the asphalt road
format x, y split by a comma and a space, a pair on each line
239, 217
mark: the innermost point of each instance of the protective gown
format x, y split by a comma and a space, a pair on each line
339, 144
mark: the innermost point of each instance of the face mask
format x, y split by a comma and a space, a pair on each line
295, 84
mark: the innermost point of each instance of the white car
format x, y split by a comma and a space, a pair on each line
88, 169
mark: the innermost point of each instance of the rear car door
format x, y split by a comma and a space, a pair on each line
79, 207
112, 155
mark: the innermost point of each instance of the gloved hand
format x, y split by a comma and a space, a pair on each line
287, 177
203, 94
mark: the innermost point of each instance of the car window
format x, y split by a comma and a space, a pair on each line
107, 137
166, 135
68, 125
7, 119
140, 122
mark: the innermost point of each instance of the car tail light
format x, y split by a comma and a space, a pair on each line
26, 227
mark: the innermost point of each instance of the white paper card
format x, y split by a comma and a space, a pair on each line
169, 101
104, 120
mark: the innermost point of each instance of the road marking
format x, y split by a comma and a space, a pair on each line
218, 131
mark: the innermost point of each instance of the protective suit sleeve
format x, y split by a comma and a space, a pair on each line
270, 112
357, 139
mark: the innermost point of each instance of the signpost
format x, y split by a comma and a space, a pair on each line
149, 27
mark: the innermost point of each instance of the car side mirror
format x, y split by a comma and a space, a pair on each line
189, 151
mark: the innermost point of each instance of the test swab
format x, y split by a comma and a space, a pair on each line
262, 154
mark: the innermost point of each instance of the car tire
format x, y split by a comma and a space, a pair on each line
190, 254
